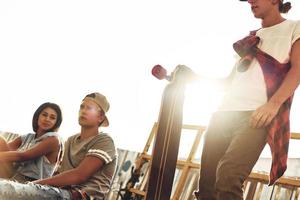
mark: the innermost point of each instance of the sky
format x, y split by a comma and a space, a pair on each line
59, 51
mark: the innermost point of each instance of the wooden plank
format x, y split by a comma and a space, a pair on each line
282, 181
278, 190
180, 163
251, 191
295, 136
150, 139
297, 193
195, 146
181, 182
194, 127
259, 190
186, 168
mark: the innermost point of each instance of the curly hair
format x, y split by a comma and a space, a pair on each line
284, 7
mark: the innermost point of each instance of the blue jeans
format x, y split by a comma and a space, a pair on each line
10, 190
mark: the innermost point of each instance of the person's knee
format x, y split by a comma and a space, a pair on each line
3, 144
229, 183
2, 140
6, 189
228, 196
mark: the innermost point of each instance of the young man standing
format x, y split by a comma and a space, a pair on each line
256, 106
88, 164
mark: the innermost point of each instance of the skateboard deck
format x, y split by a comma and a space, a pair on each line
166, 144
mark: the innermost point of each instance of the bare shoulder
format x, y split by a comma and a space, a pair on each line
296, 44
52, 141
295, 50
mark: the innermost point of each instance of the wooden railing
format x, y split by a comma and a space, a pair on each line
256, 186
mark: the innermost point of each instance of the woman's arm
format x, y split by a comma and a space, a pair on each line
89, 166
45, 147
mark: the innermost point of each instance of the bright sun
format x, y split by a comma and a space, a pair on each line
201, 100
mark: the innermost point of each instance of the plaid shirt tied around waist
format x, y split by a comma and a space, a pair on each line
274, 73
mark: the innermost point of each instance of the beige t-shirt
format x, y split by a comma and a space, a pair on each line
100, 146
248, 89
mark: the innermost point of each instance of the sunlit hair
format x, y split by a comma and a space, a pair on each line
284, 7
42, 107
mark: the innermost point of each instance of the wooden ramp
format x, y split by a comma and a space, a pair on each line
187, 175
186, 169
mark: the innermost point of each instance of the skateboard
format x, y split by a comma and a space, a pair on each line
166, 143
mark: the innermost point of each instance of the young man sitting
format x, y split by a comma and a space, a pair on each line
88, 164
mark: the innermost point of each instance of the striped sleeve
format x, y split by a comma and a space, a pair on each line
103, 148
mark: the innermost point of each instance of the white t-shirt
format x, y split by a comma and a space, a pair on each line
248, 89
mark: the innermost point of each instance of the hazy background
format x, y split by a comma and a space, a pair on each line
59, 51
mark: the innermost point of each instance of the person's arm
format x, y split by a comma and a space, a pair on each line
225, 82
89, 166
15, 144
45, 147
222, 83
264, 114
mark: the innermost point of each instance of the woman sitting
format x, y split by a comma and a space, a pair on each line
35, 155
